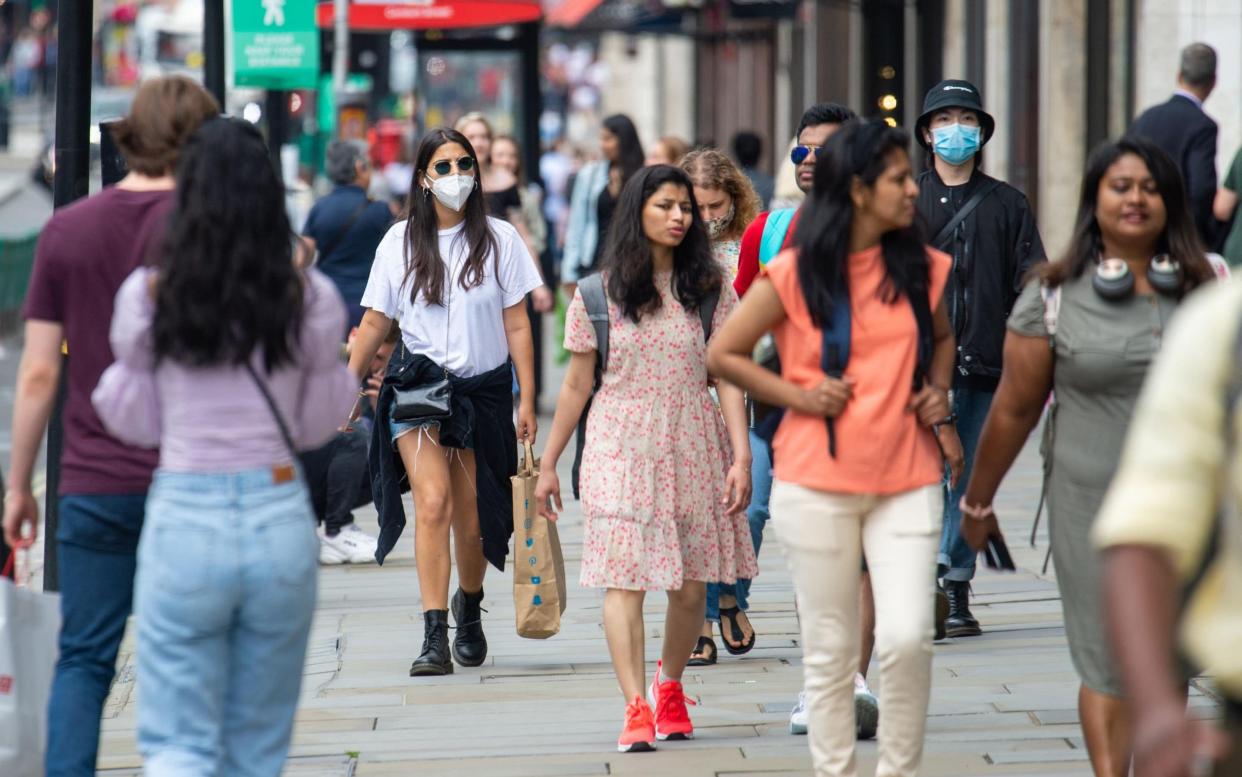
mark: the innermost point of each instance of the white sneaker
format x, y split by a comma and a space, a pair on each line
866, 709
350, 546
370, 541
798, 718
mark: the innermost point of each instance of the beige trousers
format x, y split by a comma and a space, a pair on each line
824, 535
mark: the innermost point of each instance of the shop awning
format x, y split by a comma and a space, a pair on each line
570, 13
617, 15
432, 14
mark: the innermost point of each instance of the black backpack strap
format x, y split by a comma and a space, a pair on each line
979, 196
595, 298
707, 313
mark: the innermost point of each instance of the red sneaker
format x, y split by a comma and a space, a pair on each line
669, 699
639, 733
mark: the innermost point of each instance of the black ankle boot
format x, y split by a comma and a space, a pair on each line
435, 659
960, 622
469, 644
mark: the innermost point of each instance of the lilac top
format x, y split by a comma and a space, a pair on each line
214, 419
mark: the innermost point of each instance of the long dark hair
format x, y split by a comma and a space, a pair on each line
631, 157
227, 280
627, 254
1180, 239
859, 150
422, 240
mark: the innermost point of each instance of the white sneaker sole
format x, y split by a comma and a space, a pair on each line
636, 747
674, 737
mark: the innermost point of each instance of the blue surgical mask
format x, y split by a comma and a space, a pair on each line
956, 143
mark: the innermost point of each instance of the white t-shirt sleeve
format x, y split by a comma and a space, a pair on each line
518, 276
383, 292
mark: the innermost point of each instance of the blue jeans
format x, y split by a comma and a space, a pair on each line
757, 514
227, 575
957, 560
97, 541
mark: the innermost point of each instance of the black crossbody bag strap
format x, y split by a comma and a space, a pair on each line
979, 196
344, 232
271, 405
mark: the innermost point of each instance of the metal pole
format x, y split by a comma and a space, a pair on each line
72, 182
532, 109
213, 49
340, 46
277, 112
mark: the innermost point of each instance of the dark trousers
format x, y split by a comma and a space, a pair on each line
97, 553
338, 478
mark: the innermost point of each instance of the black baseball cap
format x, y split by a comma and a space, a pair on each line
952, 93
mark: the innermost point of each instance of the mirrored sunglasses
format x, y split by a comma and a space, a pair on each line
800, 153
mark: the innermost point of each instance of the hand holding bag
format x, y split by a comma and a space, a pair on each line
29, 625
539, 588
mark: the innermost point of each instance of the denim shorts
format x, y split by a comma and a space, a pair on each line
402, 428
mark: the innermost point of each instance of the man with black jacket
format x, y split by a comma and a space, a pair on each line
1187, 134
987, 227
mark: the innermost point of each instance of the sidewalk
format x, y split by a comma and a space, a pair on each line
1003, 703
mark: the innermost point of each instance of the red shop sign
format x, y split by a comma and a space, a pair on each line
432, 14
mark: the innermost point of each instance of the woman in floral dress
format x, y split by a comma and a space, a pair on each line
664, 485
728, 204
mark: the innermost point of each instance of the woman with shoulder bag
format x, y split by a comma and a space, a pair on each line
457, 281
665, 480
866, 359
1086, 329
227, 564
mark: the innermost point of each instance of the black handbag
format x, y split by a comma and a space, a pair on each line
432, 401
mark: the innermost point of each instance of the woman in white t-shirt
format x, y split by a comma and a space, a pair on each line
457, 281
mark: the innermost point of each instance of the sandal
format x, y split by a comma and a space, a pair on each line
704, 653
735, 632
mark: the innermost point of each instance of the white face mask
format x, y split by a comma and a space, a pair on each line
453, 190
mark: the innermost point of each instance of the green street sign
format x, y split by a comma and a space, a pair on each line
275, 44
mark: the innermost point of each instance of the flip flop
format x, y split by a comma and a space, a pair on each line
735, 632
703, 658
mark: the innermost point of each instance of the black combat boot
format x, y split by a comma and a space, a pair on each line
942, 612
435, 659
469, 644
960, 622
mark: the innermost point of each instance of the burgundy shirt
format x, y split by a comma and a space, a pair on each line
84, 254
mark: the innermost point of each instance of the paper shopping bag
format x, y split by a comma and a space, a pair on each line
539, 567
29, 625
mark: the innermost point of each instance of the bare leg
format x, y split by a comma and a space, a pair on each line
467, 539
1106, 726
681, 626
623, 628
866, 623
427, 466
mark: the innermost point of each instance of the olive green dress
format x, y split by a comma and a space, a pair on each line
1103, 351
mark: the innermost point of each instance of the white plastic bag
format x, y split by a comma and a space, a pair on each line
29, 626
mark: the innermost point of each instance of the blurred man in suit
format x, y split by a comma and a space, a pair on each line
1187, 134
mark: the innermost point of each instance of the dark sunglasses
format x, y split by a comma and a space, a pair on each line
800, 153
445, 166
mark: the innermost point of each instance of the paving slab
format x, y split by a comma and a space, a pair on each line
1003, 703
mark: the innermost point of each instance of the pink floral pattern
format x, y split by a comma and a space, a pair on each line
728, 253
657, 454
